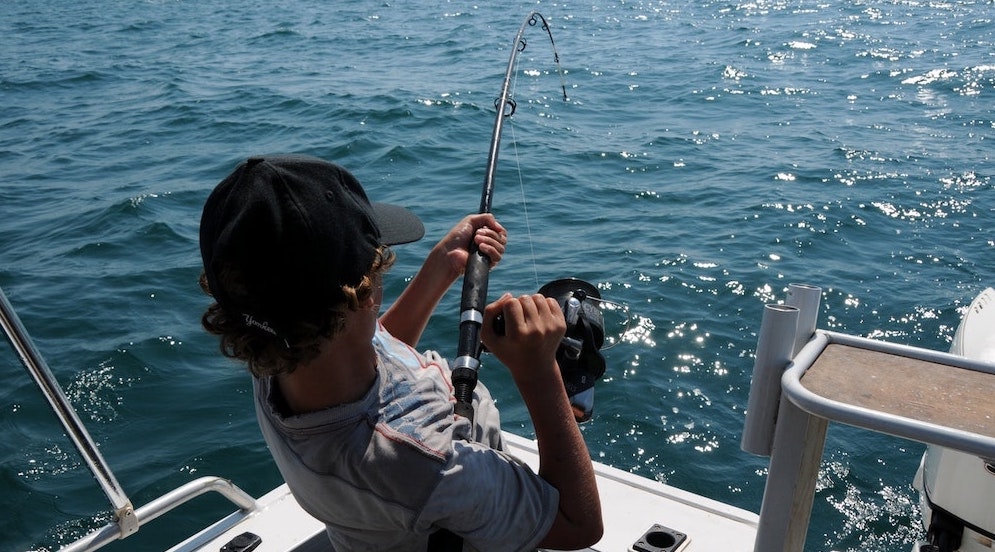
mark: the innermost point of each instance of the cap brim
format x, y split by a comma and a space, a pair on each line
397, 224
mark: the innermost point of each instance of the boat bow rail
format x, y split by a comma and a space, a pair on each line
804, 378
164, 504
127, 519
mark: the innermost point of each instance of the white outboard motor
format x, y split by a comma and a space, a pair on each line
957, 500
957, 490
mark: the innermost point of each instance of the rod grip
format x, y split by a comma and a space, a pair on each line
475, 277
472, 304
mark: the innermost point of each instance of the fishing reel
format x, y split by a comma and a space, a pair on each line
579, 354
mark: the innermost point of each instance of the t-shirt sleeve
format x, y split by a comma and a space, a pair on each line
491, 499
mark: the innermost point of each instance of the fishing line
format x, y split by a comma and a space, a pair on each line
525, 209
514, 139
521, 187
604, 304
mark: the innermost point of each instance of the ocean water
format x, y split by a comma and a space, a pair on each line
710, 152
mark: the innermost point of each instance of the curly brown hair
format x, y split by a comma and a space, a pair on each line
299, 342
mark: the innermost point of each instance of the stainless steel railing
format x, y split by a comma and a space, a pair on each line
127, 520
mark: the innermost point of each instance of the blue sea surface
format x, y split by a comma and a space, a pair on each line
709, 153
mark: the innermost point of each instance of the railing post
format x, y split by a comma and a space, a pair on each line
799, 440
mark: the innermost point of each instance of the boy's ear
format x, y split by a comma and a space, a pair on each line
369, 302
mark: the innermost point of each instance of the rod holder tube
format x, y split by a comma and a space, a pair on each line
806, 299
774, 351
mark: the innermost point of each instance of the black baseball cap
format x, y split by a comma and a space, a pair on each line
282, 233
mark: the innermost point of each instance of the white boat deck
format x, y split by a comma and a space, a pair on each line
632, 506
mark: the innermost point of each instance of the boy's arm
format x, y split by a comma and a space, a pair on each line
534, 326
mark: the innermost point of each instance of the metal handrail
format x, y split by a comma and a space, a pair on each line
163, 504
127, 520
49, 386
916, 430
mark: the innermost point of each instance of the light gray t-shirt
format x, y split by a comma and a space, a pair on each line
385, 472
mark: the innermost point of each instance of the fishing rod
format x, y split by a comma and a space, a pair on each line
474, 298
